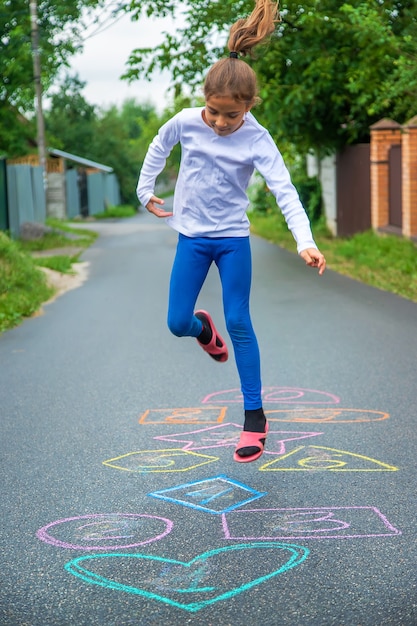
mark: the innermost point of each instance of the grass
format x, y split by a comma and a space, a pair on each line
63, 236
60, 263
383, 261
124, 210
23, 287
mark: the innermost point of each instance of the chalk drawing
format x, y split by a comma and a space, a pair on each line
319, 458
170, 460
223, 435
105, 531
323, 416
340, 522
227, 435
211, 495
275, 395
199, 415
213, 576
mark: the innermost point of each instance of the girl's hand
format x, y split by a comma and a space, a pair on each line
314, 258
152, 208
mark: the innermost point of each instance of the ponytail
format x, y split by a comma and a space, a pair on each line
245, 34
232, 76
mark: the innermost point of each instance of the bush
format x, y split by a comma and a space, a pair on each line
309, 190
117, 212
261, 199
23, 287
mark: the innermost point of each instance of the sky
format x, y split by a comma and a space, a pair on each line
104, 57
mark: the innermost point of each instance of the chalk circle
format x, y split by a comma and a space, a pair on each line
276, 395
103, 531
151, 461
324, 415
321, 463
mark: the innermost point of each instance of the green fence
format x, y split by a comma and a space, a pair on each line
4, 213
26, 196
23, 198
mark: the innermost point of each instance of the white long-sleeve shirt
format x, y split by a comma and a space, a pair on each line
210, 198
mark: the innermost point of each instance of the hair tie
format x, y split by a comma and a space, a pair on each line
234, 55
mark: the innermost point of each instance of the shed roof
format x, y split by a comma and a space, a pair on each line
80, 160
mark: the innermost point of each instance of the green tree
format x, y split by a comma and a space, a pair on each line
60, 27
116, 134
198, 44
331, 69
122, 140
70, 120
118, 137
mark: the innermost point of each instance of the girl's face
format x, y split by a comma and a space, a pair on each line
224, 114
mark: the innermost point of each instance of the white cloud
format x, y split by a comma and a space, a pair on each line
104, 57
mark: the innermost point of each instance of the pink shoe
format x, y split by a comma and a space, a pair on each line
216, 351
249, 439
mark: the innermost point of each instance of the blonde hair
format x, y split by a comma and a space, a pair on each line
231, 76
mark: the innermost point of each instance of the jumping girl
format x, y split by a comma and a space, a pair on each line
222, 144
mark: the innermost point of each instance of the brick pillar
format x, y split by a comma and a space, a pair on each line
409, 178
384, 134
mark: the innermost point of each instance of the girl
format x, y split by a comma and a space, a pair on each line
222, 144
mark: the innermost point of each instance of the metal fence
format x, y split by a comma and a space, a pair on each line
4, 214
72, 193
103, 191
23, 197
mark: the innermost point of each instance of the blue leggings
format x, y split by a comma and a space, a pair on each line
232, 255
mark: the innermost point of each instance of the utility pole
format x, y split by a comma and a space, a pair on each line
38, 88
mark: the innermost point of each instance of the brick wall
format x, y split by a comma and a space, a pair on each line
409, 178
385, 134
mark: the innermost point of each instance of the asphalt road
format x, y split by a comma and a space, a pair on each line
121, 502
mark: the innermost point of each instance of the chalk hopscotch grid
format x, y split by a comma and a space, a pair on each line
221, 488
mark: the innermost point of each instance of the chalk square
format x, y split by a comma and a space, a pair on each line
191, 415
343, 522
215, 495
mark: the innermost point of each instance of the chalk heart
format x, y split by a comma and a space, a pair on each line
208, 578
